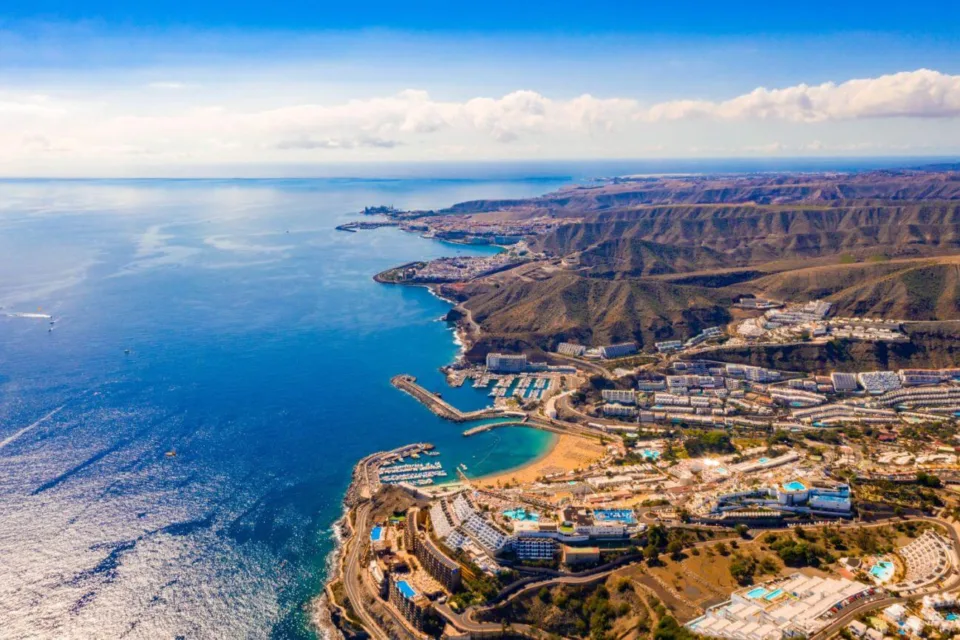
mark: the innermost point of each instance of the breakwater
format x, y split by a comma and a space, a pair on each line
438, 405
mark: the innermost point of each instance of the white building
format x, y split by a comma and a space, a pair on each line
796, 606
506, 363
669, 345
877, 382
619, 410
843, 382
569, 349
622, 396
618, 350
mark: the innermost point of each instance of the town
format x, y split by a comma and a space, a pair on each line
824, 502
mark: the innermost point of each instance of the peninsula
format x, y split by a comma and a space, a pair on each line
754, 382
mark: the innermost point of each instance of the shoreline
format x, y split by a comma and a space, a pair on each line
567, 453
543, 455
323, 611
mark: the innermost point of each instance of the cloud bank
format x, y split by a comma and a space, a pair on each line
171, 125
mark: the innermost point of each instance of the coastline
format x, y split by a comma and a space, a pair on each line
566, 453
324, 612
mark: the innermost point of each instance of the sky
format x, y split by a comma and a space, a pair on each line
104, 88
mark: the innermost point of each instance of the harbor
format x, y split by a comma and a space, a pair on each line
439, 406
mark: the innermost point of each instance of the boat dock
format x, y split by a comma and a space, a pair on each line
436, 404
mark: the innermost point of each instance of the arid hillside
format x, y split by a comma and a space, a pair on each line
650, 260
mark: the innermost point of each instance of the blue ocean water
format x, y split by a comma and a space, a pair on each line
260, 350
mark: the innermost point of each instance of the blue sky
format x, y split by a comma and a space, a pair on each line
503, 16
111, 88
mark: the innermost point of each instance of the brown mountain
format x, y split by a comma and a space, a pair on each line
653, 259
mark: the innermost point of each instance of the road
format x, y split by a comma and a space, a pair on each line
586, 365
853, 613
465, 621
352, 580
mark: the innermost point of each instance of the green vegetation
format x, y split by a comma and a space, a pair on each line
742, 569
669, 629
801, 553
700, 443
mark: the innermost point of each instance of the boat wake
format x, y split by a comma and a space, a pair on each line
29, 427
20, 314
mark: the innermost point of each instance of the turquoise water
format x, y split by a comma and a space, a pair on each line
759, 592
773, 595
794, 485
260, 351
406, 589
763, 460
521, 514
883, 570
651, 454
624, 516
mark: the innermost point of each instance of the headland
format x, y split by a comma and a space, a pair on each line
755, 384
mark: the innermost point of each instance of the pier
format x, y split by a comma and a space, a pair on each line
438, 405
354, 226
493, 425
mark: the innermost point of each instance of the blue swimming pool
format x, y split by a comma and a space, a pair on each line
763, 460
406, 589
759, 592
773, 595
882, 570
624, 516
650, 454
376, 535
795, 485
522, 514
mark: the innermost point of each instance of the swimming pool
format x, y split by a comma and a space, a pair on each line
882, 570
651, 454
522, 514
376, 535
763, 460
406, 589
795, 485
773, 595
624, 516
759, 592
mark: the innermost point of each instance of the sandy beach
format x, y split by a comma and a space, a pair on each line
567, 453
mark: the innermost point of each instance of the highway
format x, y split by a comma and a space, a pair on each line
352, 580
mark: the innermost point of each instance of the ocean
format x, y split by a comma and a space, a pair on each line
229, 322
260, 351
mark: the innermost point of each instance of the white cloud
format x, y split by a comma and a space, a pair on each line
167, 86
909, 94
83, 129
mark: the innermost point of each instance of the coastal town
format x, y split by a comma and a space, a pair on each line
742, 446
825, 501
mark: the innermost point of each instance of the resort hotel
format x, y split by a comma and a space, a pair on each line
798, 605
786, 499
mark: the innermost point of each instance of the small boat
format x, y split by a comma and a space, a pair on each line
126, 351
171, 454
438, 394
